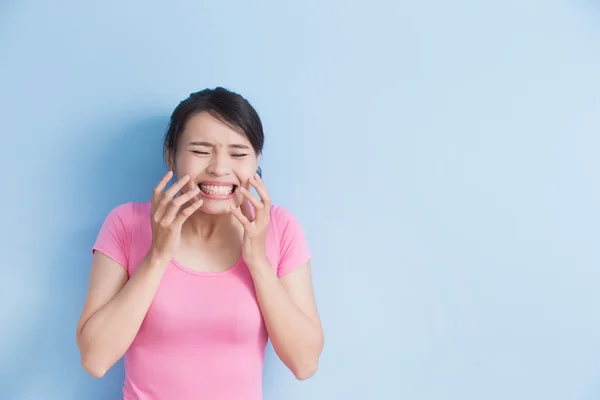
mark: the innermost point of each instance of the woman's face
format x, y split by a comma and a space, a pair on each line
218, 159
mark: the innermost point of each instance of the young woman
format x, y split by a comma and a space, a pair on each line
189, 285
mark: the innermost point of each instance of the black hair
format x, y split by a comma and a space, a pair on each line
227, 106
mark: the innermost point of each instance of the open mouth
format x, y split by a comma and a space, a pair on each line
219, 190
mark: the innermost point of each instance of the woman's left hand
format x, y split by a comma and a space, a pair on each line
254, 249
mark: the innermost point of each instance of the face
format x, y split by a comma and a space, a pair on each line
218, 159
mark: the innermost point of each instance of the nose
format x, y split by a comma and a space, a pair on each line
219, 165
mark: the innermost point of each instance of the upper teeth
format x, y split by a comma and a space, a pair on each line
211, 189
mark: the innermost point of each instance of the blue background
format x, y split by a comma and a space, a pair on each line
441, 156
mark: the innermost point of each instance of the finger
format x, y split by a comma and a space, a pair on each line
261, 189
245, 207
170, 193
167, 197
251, 198
240, 217
157, 192
186, 212
180, 200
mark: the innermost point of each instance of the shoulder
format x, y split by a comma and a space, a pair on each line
130, 213
278, 212
121, 229
285, 224
292, 246
281, 217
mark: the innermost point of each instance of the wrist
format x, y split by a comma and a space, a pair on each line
157, 260
261, 266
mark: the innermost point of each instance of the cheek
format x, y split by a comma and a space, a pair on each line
187, 165
190, 165
245, 172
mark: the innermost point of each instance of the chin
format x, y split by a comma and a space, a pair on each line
216, 207
220, 206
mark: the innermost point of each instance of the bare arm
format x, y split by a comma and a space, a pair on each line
115, 307
114, 310
287, 304
291, 317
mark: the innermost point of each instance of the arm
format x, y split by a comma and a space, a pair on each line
114, 310
291, 317
115, 307
286, 299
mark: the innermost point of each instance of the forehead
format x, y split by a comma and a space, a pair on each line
205, 127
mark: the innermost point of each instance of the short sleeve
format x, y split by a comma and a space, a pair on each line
293, 247
113, 238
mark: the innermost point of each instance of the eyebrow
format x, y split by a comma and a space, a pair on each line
208, 144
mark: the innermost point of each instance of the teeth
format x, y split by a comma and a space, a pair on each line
210, 189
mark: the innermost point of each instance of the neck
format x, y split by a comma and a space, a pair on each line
209, 226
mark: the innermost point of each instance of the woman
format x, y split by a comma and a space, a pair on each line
189, 286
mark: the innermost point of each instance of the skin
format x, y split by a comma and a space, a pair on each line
202, 231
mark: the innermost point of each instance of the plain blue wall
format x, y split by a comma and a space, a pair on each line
442, 157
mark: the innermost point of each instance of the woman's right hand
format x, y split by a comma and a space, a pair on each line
167, 219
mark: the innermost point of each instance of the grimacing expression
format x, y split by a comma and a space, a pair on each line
218, 159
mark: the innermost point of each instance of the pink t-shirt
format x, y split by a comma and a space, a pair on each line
203, 336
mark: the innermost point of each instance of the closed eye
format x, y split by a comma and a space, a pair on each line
238, 155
